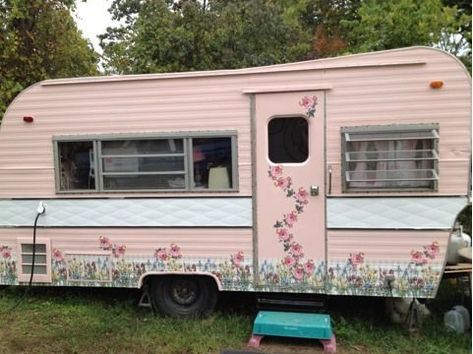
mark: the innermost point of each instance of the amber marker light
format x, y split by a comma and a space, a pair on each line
436, 84
28, 119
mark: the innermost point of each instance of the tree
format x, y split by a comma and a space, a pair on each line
39, 40
160, 35
394, 24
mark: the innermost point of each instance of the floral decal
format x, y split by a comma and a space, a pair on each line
417, 278
426, 255
88, 268
356, 259
294, 260
7, 266
170, 257
309, 104
106, 245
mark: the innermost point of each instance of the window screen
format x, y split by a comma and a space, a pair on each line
391, 157
288, 140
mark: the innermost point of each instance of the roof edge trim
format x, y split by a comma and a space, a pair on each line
235, 72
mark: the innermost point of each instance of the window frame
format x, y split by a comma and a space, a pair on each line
389, 129
187, 137
37, 277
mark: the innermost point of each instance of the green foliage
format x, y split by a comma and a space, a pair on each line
39, 40
162, 36
396, 24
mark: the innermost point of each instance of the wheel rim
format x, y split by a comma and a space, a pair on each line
184, 292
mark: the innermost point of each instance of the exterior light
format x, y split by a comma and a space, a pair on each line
28, 119
436, 84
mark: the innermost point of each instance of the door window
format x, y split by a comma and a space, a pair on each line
288, 140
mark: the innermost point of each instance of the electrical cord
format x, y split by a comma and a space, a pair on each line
40, 211
34, 248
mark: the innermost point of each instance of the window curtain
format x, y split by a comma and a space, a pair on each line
375, 173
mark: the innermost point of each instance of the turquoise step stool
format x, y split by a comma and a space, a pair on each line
296, 325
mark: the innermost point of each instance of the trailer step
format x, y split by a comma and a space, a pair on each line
294, 324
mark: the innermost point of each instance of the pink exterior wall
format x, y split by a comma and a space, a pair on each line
377, 88
195, 243
383, 245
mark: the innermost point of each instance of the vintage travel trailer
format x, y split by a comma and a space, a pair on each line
338, 176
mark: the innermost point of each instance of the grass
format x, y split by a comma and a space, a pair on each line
85, 320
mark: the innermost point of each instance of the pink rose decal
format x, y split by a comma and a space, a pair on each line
275, 172
309, 267
237, 258
175, 251
418, 258
161, 254
296, 250
289, 261
302, 196
6, 252
105, 243
119, 251
432, 250
356, 258
57, 255
298, 272
309, 104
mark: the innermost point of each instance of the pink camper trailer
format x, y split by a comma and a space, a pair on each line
338, 176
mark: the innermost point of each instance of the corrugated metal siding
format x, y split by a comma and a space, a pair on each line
360, 95
204, 243
402, 95
131, 107
383, 245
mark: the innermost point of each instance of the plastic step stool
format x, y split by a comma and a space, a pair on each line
293, 324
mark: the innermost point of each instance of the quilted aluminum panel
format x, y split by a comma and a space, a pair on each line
163, 212
393, 213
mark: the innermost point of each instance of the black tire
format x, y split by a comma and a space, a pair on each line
184, 296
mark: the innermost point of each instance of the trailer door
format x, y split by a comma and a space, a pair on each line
289, 190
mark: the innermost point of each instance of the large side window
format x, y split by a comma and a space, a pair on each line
147, 164
396, 157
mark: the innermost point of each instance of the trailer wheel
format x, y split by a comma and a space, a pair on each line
184, 296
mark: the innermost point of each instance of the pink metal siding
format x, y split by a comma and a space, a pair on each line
382, 245
376, 88
194, 243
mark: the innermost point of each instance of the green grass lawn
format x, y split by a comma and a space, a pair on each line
73, 320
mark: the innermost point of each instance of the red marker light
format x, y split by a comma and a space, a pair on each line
28, 119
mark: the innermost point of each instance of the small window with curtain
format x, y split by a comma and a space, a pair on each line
395, 157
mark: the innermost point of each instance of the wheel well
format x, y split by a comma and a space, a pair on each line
147, 278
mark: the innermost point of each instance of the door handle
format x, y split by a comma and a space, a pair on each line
314, 191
